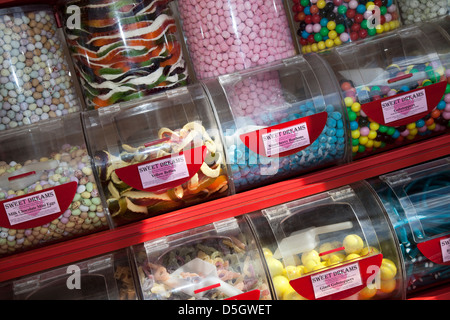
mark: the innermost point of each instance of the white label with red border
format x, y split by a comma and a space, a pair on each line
32, 207
336, 280
163, 171
445, 248
404, 106
286, 139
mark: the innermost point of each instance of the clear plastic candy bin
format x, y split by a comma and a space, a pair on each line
157, 155
331, 246
280, 120
213, 262
35, 77
321, 24
106, 277
48, 191
396, 88
223, 37
123, 51
417, 201
422, 11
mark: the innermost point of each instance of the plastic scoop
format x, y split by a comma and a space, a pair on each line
26, 176
210, 279
307, 239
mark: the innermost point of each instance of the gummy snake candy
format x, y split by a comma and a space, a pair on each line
128, 203
125, 50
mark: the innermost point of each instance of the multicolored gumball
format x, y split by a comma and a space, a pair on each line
369, 136
327, 24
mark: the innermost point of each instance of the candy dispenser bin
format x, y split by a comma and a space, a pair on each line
157, 155
321, 25
47, 187
416, 200
35, 78
223, 37
124, 51
395, 89
330, 246
280, 120
106, 277
213, 262
422, 11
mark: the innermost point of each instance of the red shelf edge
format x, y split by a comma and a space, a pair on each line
103, 242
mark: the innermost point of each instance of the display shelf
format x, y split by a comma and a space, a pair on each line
107, 241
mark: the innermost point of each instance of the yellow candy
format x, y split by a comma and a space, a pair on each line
367, 293
388, 270
281, 285
369, 4
372, 135
310, 255
348, 101
336, 258
337, 41
292, 272
332, 35
312, 265
329, 43
353, 244
275, 266
374, 126
387, 286
363, 140
356, 107
267, 252
369, 250
291, 294
356, 134
314, 47
411, 126
369, 144
321, 45
377, 144
331, 25
324, 247
380, 28
352, 256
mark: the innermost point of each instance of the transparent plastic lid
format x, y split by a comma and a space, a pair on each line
280, 120
335, 245
47, 187
395, 89
416, 200
214, 262
84, 280
423, 192
157, 155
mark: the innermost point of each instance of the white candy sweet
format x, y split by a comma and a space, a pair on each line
414, 11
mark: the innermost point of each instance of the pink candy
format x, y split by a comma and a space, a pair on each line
228, 36
256, 95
